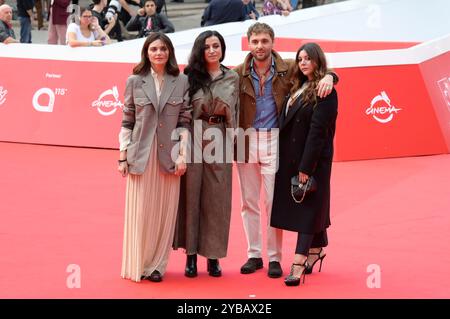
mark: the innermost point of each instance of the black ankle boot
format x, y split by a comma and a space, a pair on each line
214, 268
191, 266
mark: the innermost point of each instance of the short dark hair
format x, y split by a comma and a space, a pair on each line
143, 68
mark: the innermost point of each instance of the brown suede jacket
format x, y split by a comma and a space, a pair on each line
282, 83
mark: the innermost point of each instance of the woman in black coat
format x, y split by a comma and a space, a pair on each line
307, 126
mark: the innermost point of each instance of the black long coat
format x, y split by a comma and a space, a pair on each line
305, 145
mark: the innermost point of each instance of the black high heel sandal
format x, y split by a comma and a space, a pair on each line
291, 280
309, 269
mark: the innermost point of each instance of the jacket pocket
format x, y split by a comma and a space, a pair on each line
141, 105
142, 101
173, 105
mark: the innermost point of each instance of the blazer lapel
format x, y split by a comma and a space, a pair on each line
168, 87
149, 89
292, 110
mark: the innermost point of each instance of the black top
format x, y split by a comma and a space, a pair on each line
222, 11
23, 6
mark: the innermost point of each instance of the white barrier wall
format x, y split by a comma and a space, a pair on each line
392, 102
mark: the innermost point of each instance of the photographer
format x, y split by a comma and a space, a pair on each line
129, 9
107, 17
147, 20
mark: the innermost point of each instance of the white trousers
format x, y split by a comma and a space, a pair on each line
261, 169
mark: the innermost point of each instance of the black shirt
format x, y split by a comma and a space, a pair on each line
23, 6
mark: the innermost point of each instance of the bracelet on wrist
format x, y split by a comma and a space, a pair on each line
122, 161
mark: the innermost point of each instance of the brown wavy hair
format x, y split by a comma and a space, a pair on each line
260, 27
143, 68
319, 62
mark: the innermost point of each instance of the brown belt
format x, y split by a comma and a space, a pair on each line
212, 119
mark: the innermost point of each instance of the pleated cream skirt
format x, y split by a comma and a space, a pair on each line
150, 215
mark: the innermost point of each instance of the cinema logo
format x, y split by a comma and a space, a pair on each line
381, 108
108, 102
3, 93
444, 86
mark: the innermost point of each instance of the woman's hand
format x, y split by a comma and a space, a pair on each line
123, 168
96, 43
303, 178
180, 166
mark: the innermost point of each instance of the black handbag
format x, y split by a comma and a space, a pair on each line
299, 190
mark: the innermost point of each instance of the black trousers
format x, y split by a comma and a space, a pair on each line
307, 241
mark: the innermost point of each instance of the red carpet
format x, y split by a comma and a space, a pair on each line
62, 206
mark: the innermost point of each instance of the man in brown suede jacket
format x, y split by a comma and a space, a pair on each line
265, 82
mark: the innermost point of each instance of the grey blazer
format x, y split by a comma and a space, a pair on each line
143, 115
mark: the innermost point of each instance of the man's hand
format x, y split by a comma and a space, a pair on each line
325, 86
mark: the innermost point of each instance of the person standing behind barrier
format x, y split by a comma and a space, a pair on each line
87, 33
250, 11
307, 128
57, 27
222, 11
265, 81
25, 13
6, 31
205, 200
156, 104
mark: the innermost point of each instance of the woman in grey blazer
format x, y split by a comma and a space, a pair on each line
156, 119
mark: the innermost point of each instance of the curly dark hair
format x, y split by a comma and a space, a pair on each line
198, 76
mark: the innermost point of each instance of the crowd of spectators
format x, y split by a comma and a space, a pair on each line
127, 19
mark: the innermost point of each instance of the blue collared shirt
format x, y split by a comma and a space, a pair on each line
266, 109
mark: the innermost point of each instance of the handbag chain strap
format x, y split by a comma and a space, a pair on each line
308, 182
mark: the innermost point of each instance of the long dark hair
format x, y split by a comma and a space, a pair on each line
143, 68
319, 61
198, 76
